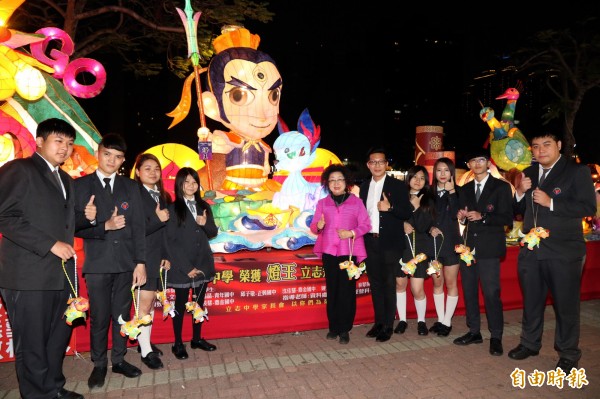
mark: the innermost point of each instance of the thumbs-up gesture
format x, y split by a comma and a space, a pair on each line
163, 214
201, 218
90, 209
524, 184
321, 223
415, 200
384, 205
116, 221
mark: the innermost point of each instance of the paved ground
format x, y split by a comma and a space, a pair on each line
306, 365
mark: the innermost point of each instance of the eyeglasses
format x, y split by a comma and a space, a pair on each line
333, 181
377, 162
478, 160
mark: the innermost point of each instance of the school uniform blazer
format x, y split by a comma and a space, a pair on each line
391, 223
571, 188
156, 234
189, 247
446, 209
350, 215
34, 215
487, 236
114, 251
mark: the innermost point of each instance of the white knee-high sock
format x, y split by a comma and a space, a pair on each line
421, 307
451, 302
438, 299
401, 305
144, 338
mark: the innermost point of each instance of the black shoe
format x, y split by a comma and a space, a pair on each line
375, 330
97, 377
401, 327
344, 338
444, 330
566, 365
152, 360
422, 328
203, 344
127, 369
435, 328
521, 352
331, 335
179, 351
154, 348
496, 347
384, 335
64, 394
468, 339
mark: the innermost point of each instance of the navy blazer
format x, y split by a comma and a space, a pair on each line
113, 251
391, 224
488, 236
571, 188
34, 215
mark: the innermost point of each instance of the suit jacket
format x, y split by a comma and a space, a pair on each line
34, 215
156, 234
487, 236
571, 188
188, 246
391, 224
113, 251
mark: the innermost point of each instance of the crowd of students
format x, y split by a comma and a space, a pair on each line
405, 232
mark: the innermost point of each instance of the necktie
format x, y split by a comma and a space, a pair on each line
192, 205
107, 186
478, 192
543, 177
60, 185
155, 194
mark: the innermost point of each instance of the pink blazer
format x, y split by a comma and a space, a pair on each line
351, 215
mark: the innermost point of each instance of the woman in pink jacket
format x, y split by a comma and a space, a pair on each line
340, 222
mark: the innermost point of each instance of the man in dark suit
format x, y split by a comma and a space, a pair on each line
554, 194
114, 255
386, 200
485, 210
37, 222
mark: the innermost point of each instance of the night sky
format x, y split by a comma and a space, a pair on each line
368, 75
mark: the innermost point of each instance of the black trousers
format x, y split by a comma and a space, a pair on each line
181, 297
485, 272
563, 280
40, 338
341, 294
110, 297
381, 268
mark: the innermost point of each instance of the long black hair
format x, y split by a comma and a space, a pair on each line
180, 205
427, 200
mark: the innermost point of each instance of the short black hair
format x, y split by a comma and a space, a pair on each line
337, 167
55, 126
540, 134
114, 141
377, 150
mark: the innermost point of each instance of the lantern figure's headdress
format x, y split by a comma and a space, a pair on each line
235, 36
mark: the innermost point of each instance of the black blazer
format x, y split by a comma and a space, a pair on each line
156, 234
34, 215
487, 236
446, 208
189, 247
571, 188
391, 224
113, 251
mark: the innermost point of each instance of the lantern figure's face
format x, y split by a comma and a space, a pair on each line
251, 97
